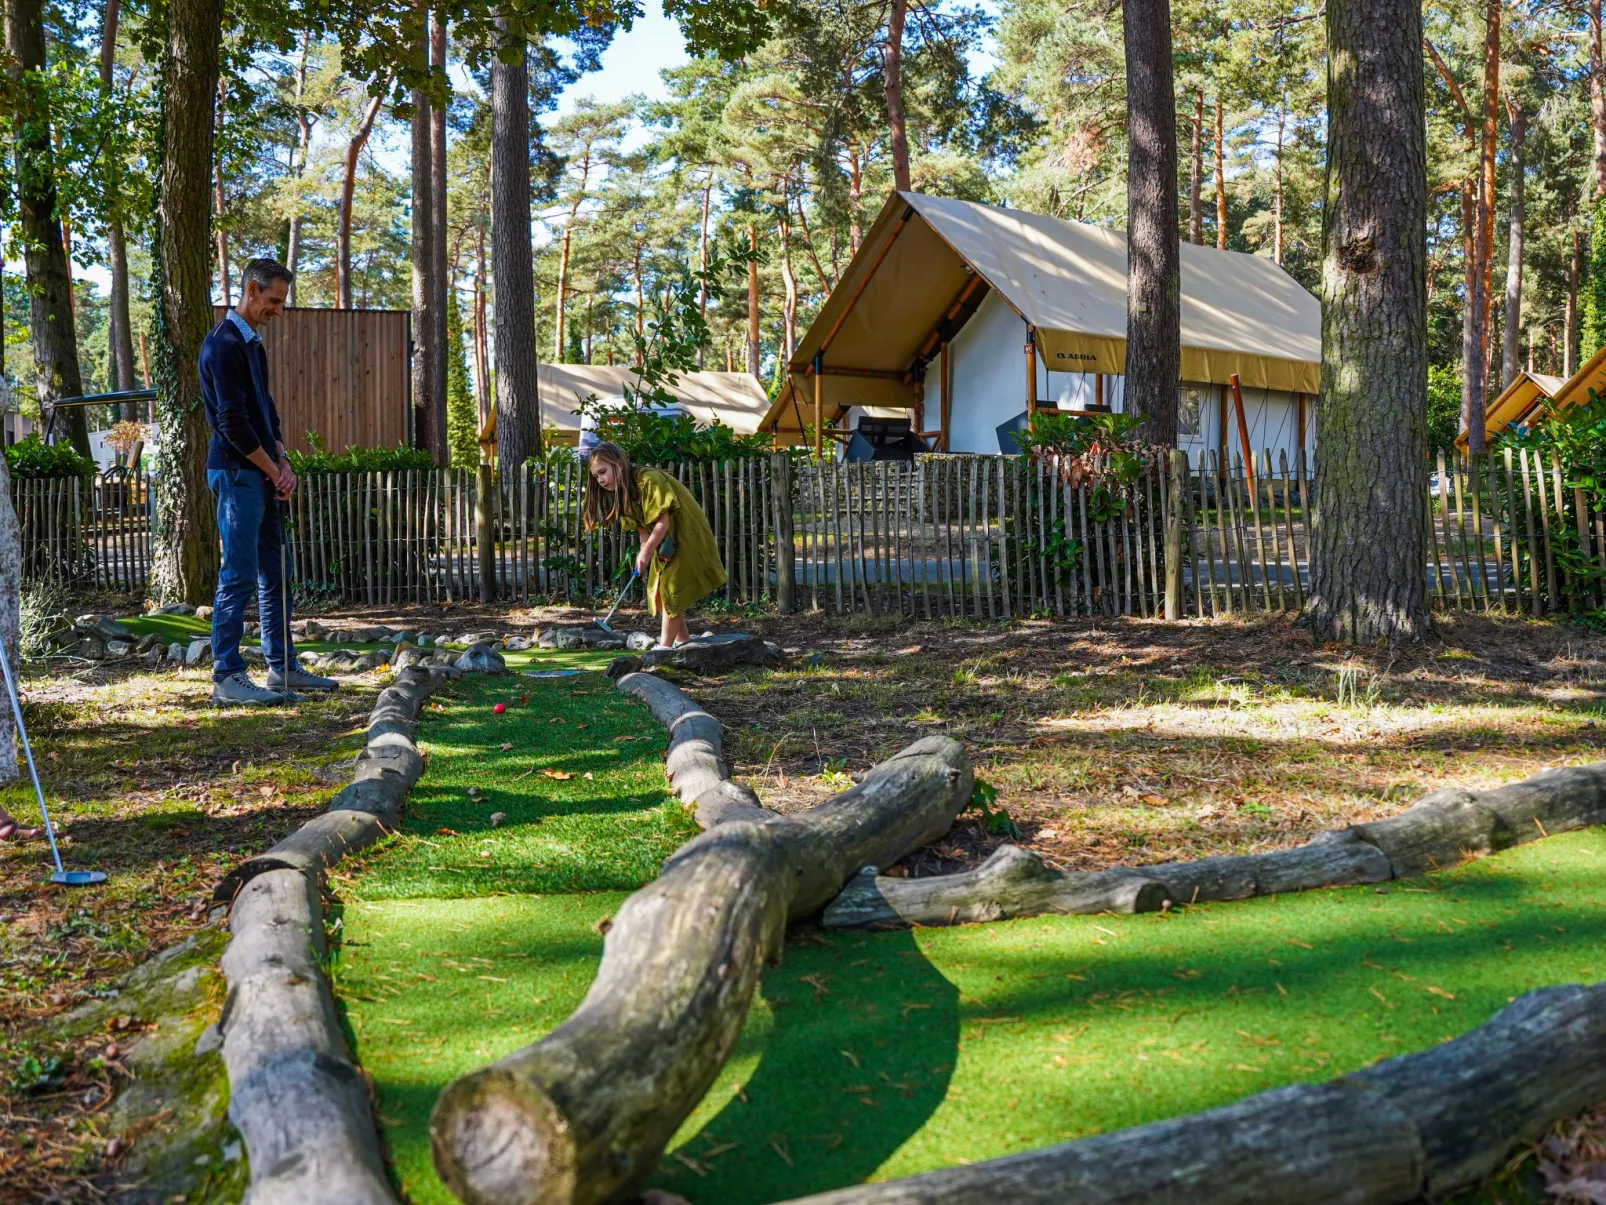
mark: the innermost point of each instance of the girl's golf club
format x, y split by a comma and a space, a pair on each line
72, 878
603, 622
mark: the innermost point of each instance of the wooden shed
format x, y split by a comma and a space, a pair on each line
344, 374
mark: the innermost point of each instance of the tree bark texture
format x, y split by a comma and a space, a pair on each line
1569, 319
1597, 96
1417, 1127
1221, 182
186, 540
348, 193
50, 314
425, 289
583, 1115
10, 615
896, 129
1367, 579
1154, 274
753, 350
518, 397
1480, 270
1511, 362
440, 282
1438, 831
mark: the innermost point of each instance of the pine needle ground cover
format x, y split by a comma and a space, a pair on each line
876, 1055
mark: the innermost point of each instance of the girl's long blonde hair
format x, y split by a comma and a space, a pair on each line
608, 508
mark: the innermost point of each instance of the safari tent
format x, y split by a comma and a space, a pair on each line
969, 317
733, 398
1532, 395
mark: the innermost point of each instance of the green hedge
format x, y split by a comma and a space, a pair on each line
358, 460
32, 457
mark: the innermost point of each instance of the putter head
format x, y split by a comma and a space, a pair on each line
604, 625
78, 878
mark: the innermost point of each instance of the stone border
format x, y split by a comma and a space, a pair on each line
296, 1095
1438, 831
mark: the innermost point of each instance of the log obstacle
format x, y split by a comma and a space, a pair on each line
582, 1116
1438, 831
1416, 1127
295, 1094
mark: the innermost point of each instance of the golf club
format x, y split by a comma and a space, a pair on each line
603, 622
284, 592
72, 878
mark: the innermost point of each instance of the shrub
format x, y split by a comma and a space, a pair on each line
650, 438
32, 457
358, 460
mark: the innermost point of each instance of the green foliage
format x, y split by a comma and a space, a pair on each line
657, 439
1593, 334
357, 460
462, 413
32, 457
995, 820
1444, 405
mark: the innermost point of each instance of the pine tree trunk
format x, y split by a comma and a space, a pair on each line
1510, 360
1569, 332
562, 296
518, 401
1221, 182
50, 322
186, 549
1277, 198
1471, 310
702, 264
1196, 173
1367, 578
348, 192
482, 378
1477, 394
1154, 275
1597, 97
898, 134
119, 332
752, 304
422, 250
439, 280
220, 211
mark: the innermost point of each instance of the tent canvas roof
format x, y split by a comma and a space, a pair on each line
1240, 313
734, 398
1517, 401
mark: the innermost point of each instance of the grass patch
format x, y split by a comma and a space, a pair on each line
574, 766
884, 1054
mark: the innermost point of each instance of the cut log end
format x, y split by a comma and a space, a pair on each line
498, 1140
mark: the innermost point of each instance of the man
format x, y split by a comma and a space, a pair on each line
250, 477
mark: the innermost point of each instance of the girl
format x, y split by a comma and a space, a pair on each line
678, 558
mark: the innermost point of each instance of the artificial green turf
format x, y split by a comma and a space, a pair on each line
883, 1054
605, 827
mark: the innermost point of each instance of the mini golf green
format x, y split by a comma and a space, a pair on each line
875, 1055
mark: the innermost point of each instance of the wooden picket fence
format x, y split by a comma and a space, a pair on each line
972, 537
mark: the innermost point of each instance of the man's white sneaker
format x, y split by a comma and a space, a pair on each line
237, 690
299, 679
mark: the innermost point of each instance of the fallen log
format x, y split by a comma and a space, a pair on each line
1414, 1127
582, 1116
1438, 831
694, 761
701, 656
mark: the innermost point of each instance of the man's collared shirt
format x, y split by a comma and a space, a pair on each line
245, 327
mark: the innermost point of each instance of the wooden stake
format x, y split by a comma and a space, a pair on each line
1243, 433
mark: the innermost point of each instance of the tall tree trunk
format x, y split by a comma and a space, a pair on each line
558, 356
1221, 182
303, 145
1510, 362
120, 331
220, 214
702, 263
348, 194
50, 321
752, 304
1569, 332
1277, 198
1367, 582
641, 303
518, 399
482, 379
899, 138
789, 282
185, 543
1196, 173
439, 280
1597, 96
855, 192
1154, 280
425, 290
1471, 339
1480, 270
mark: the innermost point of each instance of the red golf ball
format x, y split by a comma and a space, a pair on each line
499, 709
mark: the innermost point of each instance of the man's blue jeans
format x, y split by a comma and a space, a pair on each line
252, 530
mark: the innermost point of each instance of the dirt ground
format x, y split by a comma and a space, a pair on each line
1104, 741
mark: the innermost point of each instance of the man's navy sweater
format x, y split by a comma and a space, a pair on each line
239, 408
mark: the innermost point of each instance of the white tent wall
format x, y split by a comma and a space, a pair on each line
989, 378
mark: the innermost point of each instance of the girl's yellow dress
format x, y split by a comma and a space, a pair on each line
694, 571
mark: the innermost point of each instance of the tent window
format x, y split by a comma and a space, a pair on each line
1190, 405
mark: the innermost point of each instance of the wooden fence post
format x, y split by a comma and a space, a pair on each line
1173, 533
785, 552
485, 546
